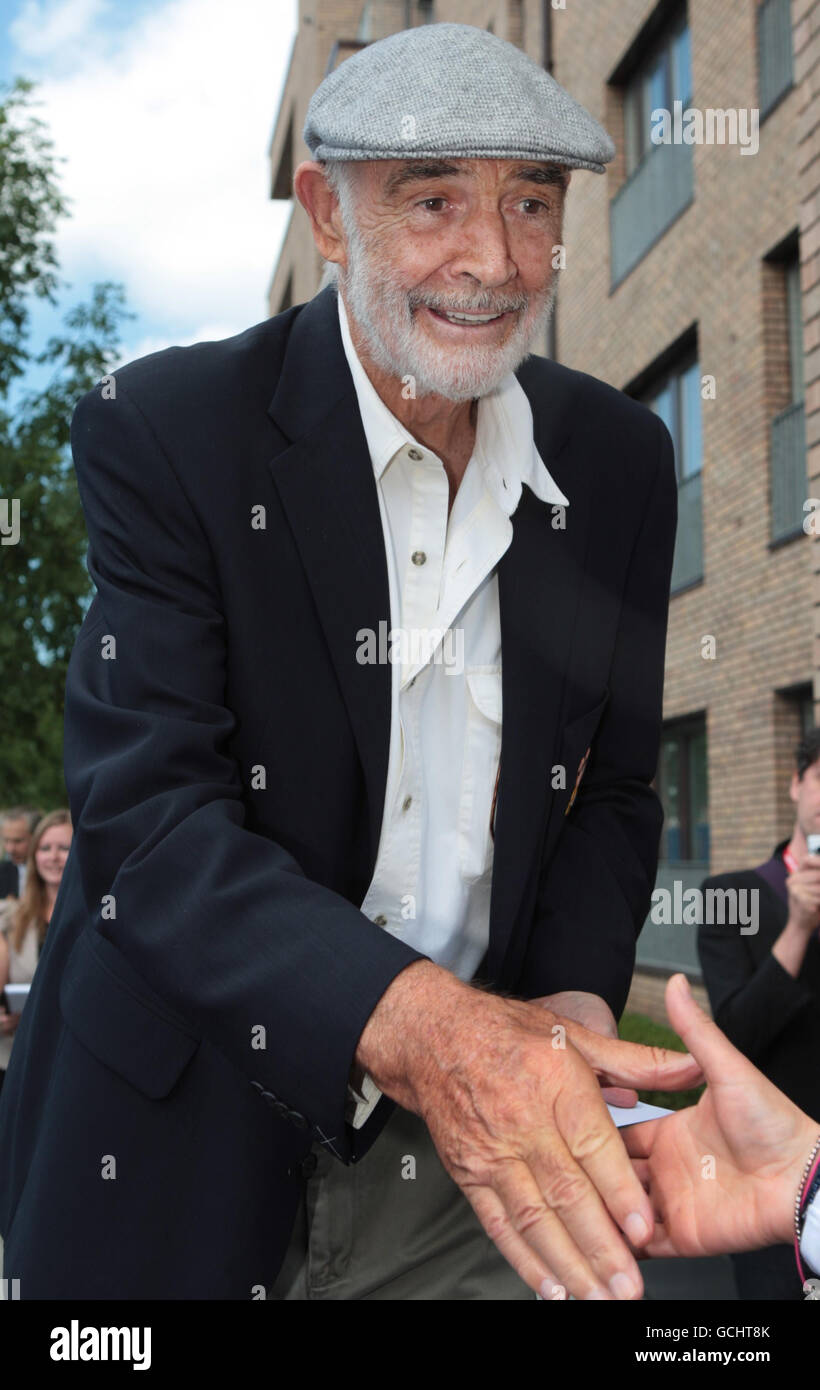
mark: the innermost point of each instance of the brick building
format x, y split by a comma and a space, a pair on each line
691, 283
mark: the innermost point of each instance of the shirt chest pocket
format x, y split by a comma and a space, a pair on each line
479, 770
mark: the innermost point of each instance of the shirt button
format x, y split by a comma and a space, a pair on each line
380, 921
415, 455
407, 803
418, 557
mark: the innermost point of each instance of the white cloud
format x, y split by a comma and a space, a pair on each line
42, 30
165, 136
156, 342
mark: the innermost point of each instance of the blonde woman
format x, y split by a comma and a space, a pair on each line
23, 923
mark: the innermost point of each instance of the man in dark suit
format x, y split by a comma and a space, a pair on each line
215, 1005
9, 879
764, 985
18, 824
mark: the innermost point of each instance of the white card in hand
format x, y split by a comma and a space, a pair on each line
623, 1115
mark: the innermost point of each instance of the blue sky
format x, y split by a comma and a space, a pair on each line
162, 111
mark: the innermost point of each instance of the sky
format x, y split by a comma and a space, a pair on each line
162, 111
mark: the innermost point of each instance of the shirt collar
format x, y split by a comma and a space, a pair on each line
504, 445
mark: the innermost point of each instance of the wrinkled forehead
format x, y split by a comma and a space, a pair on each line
394, 176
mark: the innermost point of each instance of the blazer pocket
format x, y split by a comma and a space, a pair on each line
576, 745
119, 1019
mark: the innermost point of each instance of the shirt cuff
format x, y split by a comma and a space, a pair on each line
362, 1100
810, 1240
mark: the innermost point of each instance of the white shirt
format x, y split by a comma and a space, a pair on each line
432, 879
810, 1239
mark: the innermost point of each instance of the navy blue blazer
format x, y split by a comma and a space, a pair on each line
207, 972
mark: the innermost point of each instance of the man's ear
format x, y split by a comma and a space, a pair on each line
322, 207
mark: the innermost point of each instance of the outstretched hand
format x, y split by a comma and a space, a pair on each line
722, 1175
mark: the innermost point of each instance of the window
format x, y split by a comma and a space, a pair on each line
662, 79
794, 315
793, 711
800, 699
678, 404
673, 392
682, 785
783, 329
775, 73
668, 939
659, 184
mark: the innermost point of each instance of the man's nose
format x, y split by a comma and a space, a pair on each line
486, 254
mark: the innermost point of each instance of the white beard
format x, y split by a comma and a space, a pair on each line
383, 309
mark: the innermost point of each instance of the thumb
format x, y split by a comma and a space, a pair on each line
717, 1057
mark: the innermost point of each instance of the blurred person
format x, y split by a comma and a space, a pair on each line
16, 826
737, 1171
24, 923
764, 986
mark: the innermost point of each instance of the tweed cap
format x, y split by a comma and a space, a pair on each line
450, 91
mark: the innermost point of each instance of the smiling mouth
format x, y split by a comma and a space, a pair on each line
466, 320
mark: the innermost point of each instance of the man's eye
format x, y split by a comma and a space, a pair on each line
427, 201
533, 207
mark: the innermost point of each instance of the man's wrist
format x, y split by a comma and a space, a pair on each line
403, 1026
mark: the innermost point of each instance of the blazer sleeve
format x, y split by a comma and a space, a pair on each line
752, 1002
220, 921
596, 890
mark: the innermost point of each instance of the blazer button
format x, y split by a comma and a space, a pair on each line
298, 1119
309, 1165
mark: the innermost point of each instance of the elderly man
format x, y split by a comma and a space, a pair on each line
331, 995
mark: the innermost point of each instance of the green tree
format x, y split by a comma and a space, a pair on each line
44, 585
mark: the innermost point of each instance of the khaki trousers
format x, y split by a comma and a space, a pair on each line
394, 1226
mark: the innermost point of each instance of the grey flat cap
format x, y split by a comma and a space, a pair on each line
450, 91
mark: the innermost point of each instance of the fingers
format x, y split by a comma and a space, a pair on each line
634, 1065
544, 1210
640, 1167
586, 1245
596, 1146
526, 1262
638, 1139
716, 1055
620, 1096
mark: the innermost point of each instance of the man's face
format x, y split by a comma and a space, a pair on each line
805, 791
16, 840
433, 238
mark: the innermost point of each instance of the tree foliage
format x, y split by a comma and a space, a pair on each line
44, 584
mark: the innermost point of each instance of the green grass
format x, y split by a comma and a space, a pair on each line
640, 1029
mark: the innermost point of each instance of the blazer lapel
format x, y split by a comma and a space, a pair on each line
327, 488
540, 578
